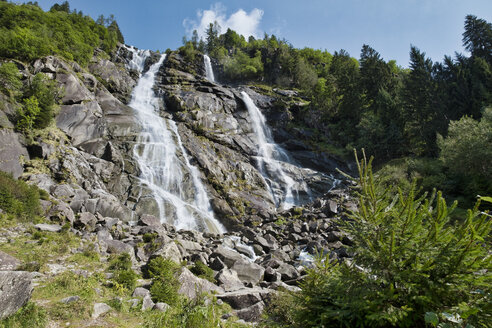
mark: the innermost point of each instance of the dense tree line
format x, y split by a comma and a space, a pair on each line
370, 103
27, 32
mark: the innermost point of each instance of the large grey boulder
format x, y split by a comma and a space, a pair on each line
192, 286
229, 280
226, 255
15, 290
99, 309
248, 272
48, 227
246, 297
169, 251
11, 152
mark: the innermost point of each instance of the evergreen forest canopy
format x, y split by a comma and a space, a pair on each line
389, 111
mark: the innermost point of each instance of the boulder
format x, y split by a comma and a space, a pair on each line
48, 227
86, 221
252, 313
99, 309
140, 292
15, 290
147, 303
161, 307
228, 256
169, 251
8, 263
11, 152
192, 286
149, 220
229, 280
246, 297
250, 273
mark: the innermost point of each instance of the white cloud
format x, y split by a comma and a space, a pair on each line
240, 21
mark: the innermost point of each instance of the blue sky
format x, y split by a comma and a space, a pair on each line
389, 26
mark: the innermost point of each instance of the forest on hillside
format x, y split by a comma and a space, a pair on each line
431, 121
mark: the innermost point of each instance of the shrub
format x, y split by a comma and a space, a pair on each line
27, 114
123, 275
17, 197
9, 78
408, 260
165, 284
467, 152
201, 270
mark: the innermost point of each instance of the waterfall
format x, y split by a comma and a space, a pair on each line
174, 183
271, 157
209, 72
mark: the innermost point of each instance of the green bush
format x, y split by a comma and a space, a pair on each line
47, 93
201, 270
18, 198
408, 259
165, 284
123, 275
9, 78
467, 152
27, 114
30, 315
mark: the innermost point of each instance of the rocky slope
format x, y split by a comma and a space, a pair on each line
86, 164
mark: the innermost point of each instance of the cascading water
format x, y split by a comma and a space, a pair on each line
270, 157
209, 72
165, 167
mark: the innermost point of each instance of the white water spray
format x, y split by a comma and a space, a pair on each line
270, 157
209, 72
165, 167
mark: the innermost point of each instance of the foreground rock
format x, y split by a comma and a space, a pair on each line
15, 291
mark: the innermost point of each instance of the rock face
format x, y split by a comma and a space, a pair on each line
88, 167
11, 152
15, 291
